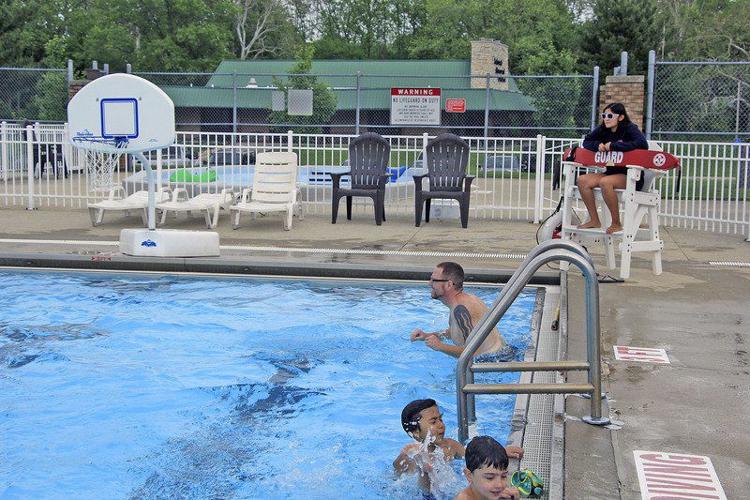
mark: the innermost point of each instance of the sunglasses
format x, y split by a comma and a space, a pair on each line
609, 116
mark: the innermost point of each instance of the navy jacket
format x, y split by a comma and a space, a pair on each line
625, 138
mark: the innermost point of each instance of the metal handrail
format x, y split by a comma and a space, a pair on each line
546, 252
537, 250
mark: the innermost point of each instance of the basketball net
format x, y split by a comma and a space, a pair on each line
100, 161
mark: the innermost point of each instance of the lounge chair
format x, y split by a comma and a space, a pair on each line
369, 155
117, 201
274, 188
209, 203
447, 158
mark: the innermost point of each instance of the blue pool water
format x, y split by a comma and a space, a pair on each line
115, 386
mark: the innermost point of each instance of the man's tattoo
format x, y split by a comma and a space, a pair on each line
463, 320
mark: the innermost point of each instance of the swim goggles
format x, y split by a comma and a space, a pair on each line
527, 483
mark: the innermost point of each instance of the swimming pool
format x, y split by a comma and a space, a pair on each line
115, 385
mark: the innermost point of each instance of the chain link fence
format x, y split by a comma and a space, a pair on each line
699, 100
469, 105
33, 94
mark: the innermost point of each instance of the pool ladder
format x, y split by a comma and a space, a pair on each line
552, 250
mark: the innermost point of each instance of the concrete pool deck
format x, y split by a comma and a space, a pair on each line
696, 311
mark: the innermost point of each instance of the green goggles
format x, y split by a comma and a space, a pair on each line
527, 483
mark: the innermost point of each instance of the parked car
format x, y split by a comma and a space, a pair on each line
230, 156
502, 163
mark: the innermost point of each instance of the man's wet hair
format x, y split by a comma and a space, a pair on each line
453, 272
484, 451
410, 414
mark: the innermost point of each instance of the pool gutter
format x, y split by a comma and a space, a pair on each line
252, 266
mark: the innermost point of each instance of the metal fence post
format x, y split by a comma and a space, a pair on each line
650, 92
486, 108
538, 180
128, 68
4, 144
70, 71
30, 166
624, 62
106, 68
737, 113
234, 102
594, 98
358, 96
424, 150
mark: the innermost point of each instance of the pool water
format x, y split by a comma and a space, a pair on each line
118, 386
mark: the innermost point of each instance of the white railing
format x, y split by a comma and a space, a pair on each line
41, 169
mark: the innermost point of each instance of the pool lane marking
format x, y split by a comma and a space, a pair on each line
643, 354
357, 251
663, 474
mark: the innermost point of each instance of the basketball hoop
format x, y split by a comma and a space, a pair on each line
102, 155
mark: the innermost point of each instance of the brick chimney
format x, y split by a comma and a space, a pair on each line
627, 89
489, 56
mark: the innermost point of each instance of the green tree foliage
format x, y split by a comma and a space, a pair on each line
324, 100
632, 25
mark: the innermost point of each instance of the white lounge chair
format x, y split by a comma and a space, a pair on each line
274, 188
117, 201
209, 203
636, 205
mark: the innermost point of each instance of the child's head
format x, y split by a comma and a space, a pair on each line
486, 467
421, 418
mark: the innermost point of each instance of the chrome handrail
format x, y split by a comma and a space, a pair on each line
567, 251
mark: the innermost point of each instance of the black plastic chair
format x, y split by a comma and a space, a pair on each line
447, 157
368, 160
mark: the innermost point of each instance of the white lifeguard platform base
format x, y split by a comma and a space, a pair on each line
125, 114
169, 243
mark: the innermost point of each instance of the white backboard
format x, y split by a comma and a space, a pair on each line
117, 107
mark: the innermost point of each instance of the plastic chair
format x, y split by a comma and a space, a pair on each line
369, 155
117, 201
209, 203
274, 188
447, 157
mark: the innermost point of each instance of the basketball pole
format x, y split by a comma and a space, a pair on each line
151, 190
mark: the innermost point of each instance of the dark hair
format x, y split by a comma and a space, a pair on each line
410, 414
483, 451
454, 272
619, 109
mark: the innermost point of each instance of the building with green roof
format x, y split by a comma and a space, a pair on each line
363, 85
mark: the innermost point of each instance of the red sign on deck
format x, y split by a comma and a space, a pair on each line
455, 105
643, 354
666, 475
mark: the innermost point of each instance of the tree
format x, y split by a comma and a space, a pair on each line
635, 26
264, 28
324, 100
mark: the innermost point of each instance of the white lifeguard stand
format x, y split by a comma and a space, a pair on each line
124, 114
635, 205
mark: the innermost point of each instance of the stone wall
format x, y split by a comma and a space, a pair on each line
486, 57
629, 90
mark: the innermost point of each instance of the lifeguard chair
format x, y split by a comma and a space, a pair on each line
635, 206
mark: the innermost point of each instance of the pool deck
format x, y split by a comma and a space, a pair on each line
698, 312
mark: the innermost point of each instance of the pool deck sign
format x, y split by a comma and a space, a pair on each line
415, 106
665, 475
642, 354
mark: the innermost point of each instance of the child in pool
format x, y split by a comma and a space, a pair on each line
487, 471
422, 420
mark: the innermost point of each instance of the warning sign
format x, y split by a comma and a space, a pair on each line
455, 105
644, 354
415, 106
665, 475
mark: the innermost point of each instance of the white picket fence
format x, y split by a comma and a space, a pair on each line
39, 168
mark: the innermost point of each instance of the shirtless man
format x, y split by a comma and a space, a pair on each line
447, 282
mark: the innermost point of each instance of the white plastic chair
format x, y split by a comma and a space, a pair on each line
274, 188
209, 203
117, 201
634, 204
